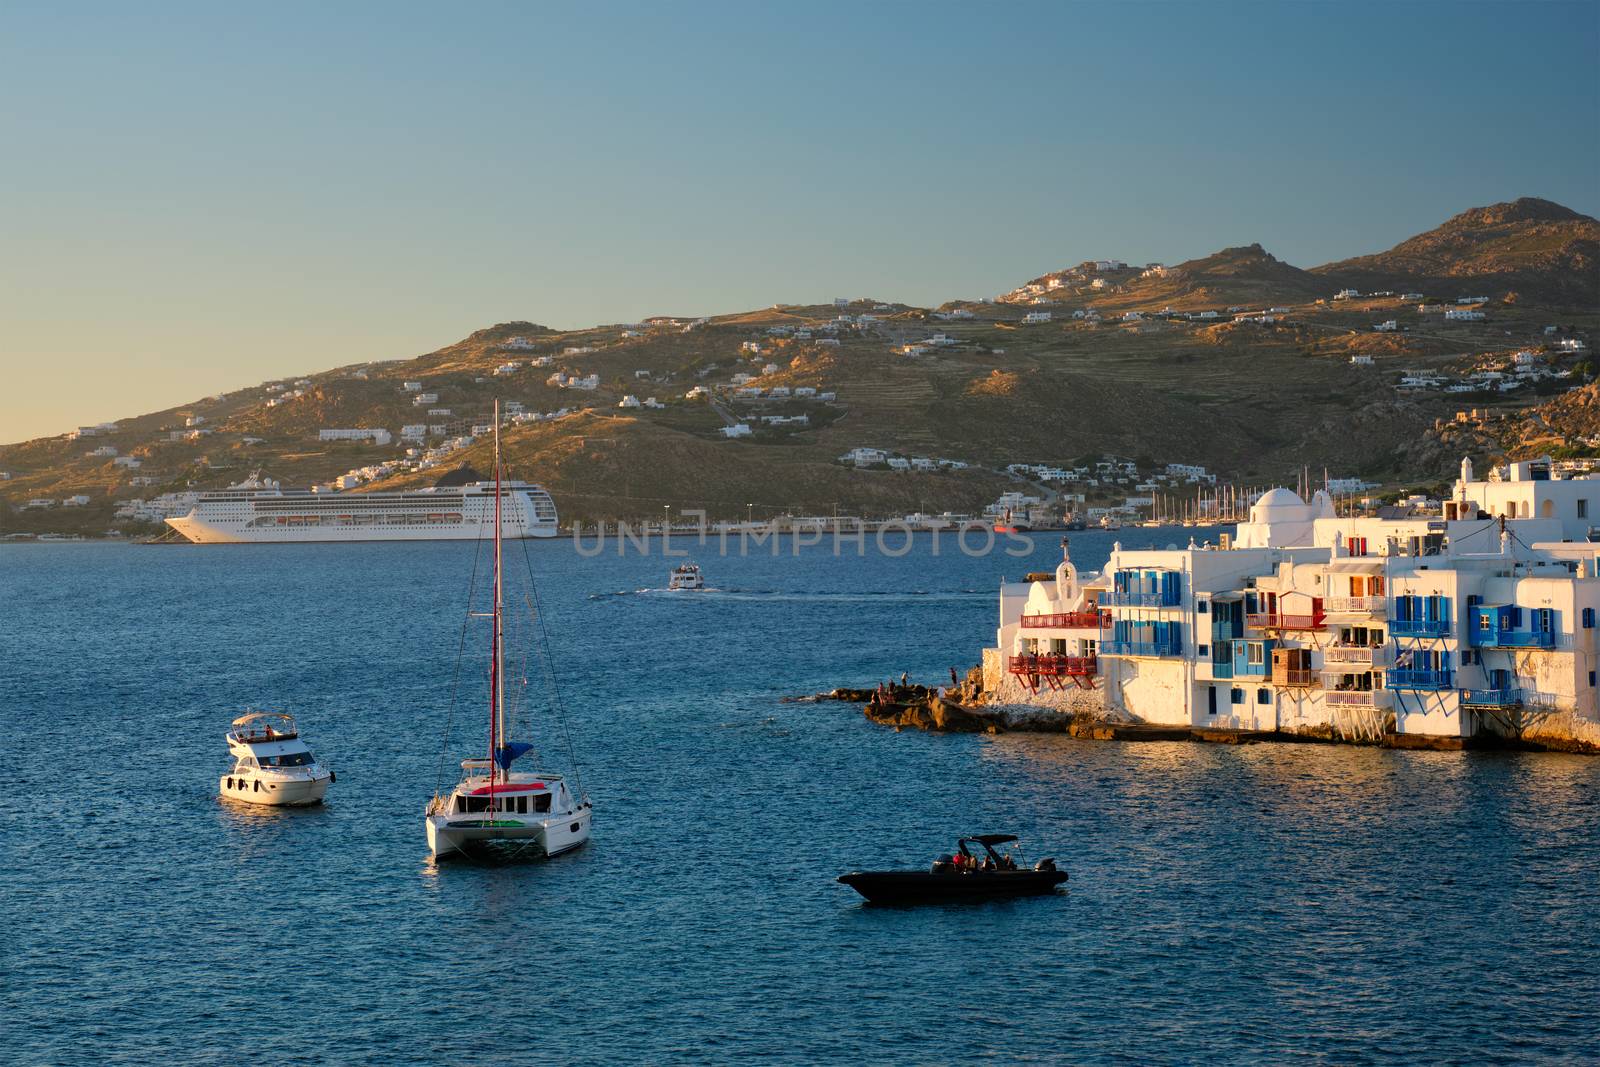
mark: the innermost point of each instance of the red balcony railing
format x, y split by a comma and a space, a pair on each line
1077, 620
1285, 622
1055, 666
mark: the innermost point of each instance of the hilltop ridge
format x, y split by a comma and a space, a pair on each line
1533, 247
1236, 361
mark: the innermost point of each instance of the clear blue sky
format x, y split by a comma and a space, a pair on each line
197, 197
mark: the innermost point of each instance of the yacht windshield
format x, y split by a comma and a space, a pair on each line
288, 759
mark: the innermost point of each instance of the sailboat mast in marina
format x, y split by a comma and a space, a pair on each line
496, 808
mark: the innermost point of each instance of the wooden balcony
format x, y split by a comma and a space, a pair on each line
1354, 656
1296, 678
1054, 666
1356, 605
1069, 620
1356, 698
1285, 622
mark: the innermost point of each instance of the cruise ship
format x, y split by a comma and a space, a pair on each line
258, 510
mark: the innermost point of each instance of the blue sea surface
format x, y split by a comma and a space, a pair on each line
1227, 904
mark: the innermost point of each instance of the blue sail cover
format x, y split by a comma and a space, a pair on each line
505, 754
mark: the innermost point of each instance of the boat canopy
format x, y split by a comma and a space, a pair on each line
260, 726
990, 840
263, 716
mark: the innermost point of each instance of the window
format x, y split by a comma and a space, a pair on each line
1588, 618
1263, 696
1591, 679
1202, 651
1202, 606
1237, 696
1583, 509
1252, 654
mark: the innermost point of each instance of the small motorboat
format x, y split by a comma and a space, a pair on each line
964, 876
686, 577
271, 765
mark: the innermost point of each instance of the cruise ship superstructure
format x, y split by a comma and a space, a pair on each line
259, 510
1479, 620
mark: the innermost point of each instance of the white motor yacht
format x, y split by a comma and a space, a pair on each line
686, 577
495, 808
271, 764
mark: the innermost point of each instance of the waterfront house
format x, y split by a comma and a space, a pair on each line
1477, 619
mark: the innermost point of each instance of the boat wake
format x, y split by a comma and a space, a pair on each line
868, 597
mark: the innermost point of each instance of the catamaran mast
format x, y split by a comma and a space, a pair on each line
497, 724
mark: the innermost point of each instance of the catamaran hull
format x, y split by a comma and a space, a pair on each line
463, 835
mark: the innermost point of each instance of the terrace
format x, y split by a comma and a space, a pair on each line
1070, 620
1357, 698
1156, 648
1419, 627
1504, 697
1354, 656
1279, 621
1494, 637
1357, 605
1054, 666
1419, 679
1296, 677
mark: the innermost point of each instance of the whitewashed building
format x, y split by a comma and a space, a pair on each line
376, 436
1477, 621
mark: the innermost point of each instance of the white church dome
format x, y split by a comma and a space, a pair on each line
1279, 505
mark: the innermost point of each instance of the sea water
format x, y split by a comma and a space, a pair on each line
1263, 903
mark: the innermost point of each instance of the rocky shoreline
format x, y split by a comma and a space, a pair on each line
936, 711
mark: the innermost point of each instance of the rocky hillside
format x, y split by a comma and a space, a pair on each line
1248, 275
1533, 248
1252, 396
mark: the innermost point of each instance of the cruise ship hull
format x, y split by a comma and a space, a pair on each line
257, 513
205, 533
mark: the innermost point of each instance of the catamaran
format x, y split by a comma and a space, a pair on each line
496, 807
